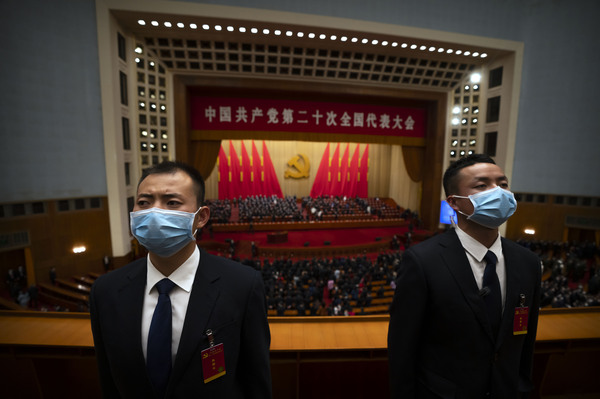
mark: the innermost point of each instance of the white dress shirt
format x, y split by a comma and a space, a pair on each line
183, 278
476, 251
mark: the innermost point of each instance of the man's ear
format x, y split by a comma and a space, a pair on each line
203, 217
452, 202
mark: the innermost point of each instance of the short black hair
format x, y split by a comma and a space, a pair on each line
455, 167
171, 167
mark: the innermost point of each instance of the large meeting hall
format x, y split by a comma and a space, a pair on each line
322, 130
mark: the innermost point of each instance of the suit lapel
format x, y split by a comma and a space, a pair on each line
129, 316
511, 263
457, 262
205, 292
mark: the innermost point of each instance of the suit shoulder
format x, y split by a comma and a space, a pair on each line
228, 268
119, 274
522, 252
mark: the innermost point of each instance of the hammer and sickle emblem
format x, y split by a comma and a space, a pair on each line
299, 167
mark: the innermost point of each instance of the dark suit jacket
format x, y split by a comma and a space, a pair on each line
440, 342
226, 297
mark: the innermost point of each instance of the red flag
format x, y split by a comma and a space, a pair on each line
257, 175
363, 172
353, 174
246, 176
343, 173
334, 170
271, 182
223, 175
234, 181
320, 184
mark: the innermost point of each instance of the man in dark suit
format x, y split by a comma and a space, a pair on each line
458, 328
218, 339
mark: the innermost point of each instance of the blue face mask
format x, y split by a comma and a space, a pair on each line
492, 207
161, 231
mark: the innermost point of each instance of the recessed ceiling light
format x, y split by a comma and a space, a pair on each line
168, 24
374, 42
404, 45
449, 51
289, 33
365, 41
193, 26
138, 50
322, 36
254, 30
459, 52
483, 55
413, 46
475, 54
384, 43
154, 23
333, 37
354, 40
311, 35
242, 29
141, 22
440, 50
266, 31
218, 27
475, 78
277, 32
230, 29
205, 27
180, 25
300, 34
422, 48
467, 52
343, 38
456, 109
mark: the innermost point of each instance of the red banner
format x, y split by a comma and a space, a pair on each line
304, 116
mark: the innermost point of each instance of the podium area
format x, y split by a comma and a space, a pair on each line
51, 355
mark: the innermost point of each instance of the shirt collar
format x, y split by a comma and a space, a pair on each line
183, 276
477, 249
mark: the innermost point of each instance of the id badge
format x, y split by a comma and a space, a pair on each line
213, 363
521, 318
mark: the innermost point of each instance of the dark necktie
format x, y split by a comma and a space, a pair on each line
493, 299
158, 356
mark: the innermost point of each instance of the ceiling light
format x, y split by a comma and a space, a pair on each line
467, 52
475, 54
333, 37
529, 231
458, 52
230, 29
168, 24
354, 39
266, 31
404, 45
475, 87
431, 48
456, 110
154, 23
205, 27
455, 121
151, 63
440, 50
475, 78
180, 25
311, 35
254, 30
141, 22
242, 29
193, 26
300, 34
218, 27
449, 51
384, 43
322, 36
139, 50
79, 250
289, 33
413, 46
483, 55
365, 41
422, 47
343, 38
467, 87
277, 32
374, 42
